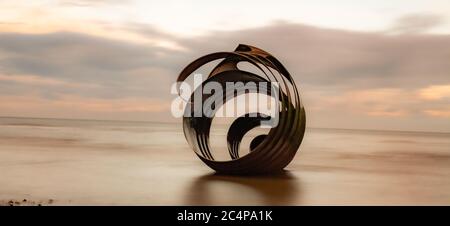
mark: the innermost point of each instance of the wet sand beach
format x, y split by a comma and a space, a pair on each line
82, 162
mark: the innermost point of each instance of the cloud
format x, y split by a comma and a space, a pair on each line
89, 3
343, 59
374, 102
48, 54
38, 80
116, 67
435, 92
416, 23
69, 106
347, 79
445, 113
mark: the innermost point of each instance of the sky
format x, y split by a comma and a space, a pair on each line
363, 64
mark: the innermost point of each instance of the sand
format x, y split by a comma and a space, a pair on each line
75, 162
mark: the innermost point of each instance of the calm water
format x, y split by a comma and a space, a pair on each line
70, 162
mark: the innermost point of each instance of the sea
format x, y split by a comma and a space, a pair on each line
95, 162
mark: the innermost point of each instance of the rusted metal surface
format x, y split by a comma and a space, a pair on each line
269, 153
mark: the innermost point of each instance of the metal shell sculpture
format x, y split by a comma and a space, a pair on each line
269, 153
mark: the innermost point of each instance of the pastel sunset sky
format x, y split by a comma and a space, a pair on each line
364, 64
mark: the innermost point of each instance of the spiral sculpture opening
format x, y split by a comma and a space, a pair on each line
269, 153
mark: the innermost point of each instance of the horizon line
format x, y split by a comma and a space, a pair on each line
171, 122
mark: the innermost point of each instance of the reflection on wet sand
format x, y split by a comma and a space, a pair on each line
79, 162
274, 189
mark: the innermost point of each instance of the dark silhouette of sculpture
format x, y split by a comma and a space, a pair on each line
268, 153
